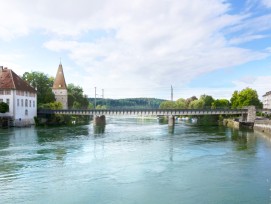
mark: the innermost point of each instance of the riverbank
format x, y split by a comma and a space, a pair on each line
263, 126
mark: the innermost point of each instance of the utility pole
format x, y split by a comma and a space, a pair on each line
95, 99
171, 93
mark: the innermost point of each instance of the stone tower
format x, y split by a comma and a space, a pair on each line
60, 87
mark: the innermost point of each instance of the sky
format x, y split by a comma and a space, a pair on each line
141, 48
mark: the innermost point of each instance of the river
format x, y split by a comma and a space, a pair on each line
134, 161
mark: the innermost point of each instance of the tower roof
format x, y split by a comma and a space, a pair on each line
10, 80
60, 82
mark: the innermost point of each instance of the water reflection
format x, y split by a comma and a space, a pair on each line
244, 139
99, 129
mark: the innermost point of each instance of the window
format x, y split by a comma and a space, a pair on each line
34, 104
26, 112
29, 103
1, 92
26, 103
18, 102
7, 92
7, 101
22, 102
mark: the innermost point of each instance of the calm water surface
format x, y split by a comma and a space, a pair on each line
134, 161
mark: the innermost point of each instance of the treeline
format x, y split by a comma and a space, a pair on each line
239, 99
132, 103
46, 100
45, 96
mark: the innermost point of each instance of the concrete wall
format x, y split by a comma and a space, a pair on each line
263, 126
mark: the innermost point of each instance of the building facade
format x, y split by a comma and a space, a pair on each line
60, 88
20, 96
267, 100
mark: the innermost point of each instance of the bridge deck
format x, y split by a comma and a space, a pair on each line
148, 112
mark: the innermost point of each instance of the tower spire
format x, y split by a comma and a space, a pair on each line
60, 87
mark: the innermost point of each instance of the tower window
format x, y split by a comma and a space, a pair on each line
59, 85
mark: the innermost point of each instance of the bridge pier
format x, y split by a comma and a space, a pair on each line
171, 123
99, 120
250, 116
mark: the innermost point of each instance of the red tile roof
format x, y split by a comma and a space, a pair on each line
10, 80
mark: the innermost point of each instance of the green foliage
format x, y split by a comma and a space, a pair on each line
197, 104
180, 103
53, 105
4, 107
221, 103
189, 100
90, 106
246, 97
100, 107
43, 84
76, 99
207, 100
168, 105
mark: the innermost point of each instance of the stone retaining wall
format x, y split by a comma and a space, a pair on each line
231, 123
263, 126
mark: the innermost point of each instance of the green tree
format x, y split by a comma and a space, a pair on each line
197, 104
246, 97
180, 103
208, 100
100, 107
167, 105
221, 103
53, 105
43, 84
90, 106
189, 100
235, 99
76, 99
4, 107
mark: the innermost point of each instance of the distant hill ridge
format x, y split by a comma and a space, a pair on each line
135, 103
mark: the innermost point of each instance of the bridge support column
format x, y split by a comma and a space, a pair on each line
251, 114
99, 120
171, 123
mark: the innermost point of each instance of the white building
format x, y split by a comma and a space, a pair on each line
60, 88
267, 100
20, 96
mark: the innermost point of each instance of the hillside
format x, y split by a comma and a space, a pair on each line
133, 103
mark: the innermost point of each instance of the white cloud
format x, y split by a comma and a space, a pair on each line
147, 44
260, 83
267, 3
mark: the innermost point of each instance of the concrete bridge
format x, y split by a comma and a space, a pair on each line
248, 114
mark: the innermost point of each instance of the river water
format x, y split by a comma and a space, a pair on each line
134, 161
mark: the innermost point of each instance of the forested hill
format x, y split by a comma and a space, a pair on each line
132, 103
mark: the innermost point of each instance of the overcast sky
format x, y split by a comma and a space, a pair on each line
140, 48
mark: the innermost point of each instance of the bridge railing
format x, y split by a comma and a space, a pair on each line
143, 111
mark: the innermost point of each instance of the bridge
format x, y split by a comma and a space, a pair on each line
147, 112
248, 113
